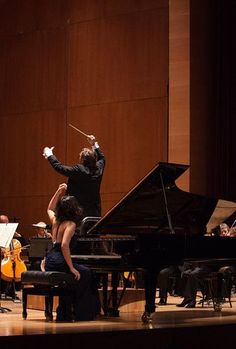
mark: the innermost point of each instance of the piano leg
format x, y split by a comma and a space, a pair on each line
104, 293
113, 310
150, 280
114, 284
150, 283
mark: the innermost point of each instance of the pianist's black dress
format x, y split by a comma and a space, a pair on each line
86, 303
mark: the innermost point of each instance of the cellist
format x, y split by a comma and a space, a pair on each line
9, 287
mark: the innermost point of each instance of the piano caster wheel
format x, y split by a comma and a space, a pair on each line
146, 318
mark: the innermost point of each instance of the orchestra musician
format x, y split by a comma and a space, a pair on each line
41, 230
10, 285
191, 281
84, 178
225, 230
164, 281
63, 212
193, 277
5, 219
41, 233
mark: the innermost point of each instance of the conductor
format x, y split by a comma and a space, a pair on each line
84, 178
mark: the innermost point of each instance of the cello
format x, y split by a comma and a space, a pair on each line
12, 265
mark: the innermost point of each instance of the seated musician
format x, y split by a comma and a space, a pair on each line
193, 277
9, 288
192, 280
164, 282
187, 274
42, 230
224, 230
5, 219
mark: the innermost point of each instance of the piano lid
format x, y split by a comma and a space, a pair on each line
147, 207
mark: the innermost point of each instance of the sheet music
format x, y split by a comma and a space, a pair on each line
7, 231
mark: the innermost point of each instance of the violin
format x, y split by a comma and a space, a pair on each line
12, 265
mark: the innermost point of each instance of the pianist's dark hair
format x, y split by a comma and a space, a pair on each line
68, 209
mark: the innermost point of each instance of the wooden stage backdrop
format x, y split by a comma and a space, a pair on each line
100, 65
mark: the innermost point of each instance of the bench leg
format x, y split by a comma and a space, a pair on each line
24, 302
49, 307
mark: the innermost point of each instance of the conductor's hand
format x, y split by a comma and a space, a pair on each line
47, 152
91, 139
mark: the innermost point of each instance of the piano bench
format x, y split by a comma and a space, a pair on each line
48, 284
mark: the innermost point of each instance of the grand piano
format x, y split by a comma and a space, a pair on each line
157, 224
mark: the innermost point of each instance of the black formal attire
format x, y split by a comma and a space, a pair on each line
152, 278
83, 183
193, 281
164, 281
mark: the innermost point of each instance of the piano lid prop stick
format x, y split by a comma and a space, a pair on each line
78, 130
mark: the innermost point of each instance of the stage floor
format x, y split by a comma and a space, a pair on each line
166, 317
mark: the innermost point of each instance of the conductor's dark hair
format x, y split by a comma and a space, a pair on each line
88, 158
68, 209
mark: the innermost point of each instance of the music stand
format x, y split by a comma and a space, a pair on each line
7, 231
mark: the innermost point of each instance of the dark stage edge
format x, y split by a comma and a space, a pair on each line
211, 337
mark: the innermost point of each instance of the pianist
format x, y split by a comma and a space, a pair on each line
63, 212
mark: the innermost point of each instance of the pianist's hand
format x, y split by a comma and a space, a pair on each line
62, 187
76, 273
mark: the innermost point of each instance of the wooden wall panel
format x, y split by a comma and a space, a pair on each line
204, 104
18, 17
179, 91
112, 59
24, 171
93, 9
101, 65
34, 72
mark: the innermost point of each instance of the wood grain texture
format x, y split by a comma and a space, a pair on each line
179, 91
100, 65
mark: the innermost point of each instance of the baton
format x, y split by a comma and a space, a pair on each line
78, 130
